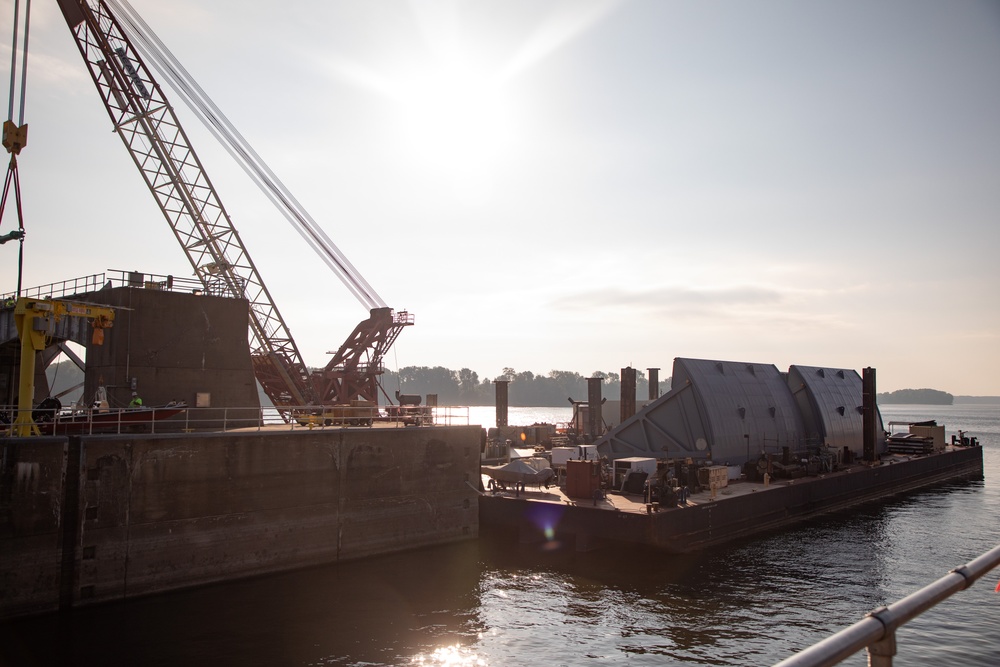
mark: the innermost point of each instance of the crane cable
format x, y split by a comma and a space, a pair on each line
153, 49
15, 137
24, 60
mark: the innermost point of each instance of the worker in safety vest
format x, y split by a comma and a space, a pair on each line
136, 402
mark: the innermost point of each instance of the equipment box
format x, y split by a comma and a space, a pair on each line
560, 455
631, 464
935, 433
714, 477
583, 478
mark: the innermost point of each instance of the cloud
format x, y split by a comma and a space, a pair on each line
668, 298
751, 308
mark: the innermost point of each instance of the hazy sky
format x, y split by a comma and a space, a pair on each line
576, 185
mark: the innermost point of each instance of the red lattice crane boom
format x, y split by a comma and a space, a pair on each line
108, 33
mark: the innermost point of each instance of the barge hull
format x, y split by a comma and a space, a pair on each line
724, 519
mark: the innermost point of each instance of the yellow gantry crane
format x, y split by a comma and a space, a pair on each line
35, 320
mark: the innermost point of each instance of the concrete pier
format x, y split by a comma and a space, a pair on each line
97, 518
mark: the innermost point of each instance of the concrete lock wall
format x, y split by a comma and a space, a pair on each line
31, 521
98, 518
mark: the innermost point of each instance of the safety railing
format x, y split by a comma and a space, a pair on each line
80, 285
455, 415
180, 418
98, 281
877, 631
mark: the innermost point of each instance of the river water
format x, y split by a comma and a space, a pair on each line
489, 603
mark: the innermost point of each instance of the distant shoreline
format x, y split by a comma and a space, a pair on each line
927, 396
957, 400
980, 400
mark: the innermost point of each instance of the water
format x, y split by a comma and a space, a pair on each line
486, 416
484, 603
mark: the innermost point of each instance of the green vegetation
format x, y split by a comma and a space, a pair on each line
916, 397
463, 387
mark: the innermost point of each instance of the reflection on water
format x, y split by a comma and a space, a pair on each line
493, 602
456, 655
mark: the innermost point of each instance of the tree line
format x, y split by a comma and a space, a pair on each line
464, 387
916, 397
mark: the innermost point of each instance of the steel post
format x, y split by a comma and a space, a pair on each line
594, 404
627, 404
501, 402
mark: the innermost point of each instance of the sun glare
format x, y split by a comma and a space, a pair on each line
456, 115
453, 656
455, 121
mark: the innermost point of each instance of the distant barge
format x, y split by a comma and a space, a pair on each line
737, 511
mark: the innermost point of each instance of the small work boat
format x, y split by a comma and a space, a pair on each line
96, 420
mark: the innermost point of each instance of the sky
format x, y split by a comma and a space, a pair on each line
578, 185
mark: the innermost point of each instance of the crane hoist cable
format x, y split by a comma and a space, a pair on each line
15, 137
24, 60
160, 57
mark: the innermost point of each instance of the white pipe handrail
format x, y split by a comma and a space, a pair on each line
877, 631
223, 419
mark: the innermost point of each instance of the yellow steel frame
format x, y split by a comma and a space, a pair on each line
35, 319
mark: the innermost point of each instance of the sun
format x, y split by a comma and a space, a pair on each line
459, 117
455, 122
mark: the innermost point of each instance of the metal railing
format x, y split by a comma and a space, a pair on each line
122, 420
81, 285
98, 281
877, 630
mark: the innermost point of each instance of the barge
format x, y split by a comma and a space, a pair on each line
734, 449
714, 516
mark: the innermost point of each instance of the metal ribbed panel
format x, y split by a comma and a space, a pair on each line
732, 411
830, 400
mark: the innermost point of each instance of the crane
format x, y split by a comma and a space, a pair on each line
34, 320
113, 41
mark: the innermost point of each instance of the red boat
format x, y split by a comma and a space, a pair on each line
123, 420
